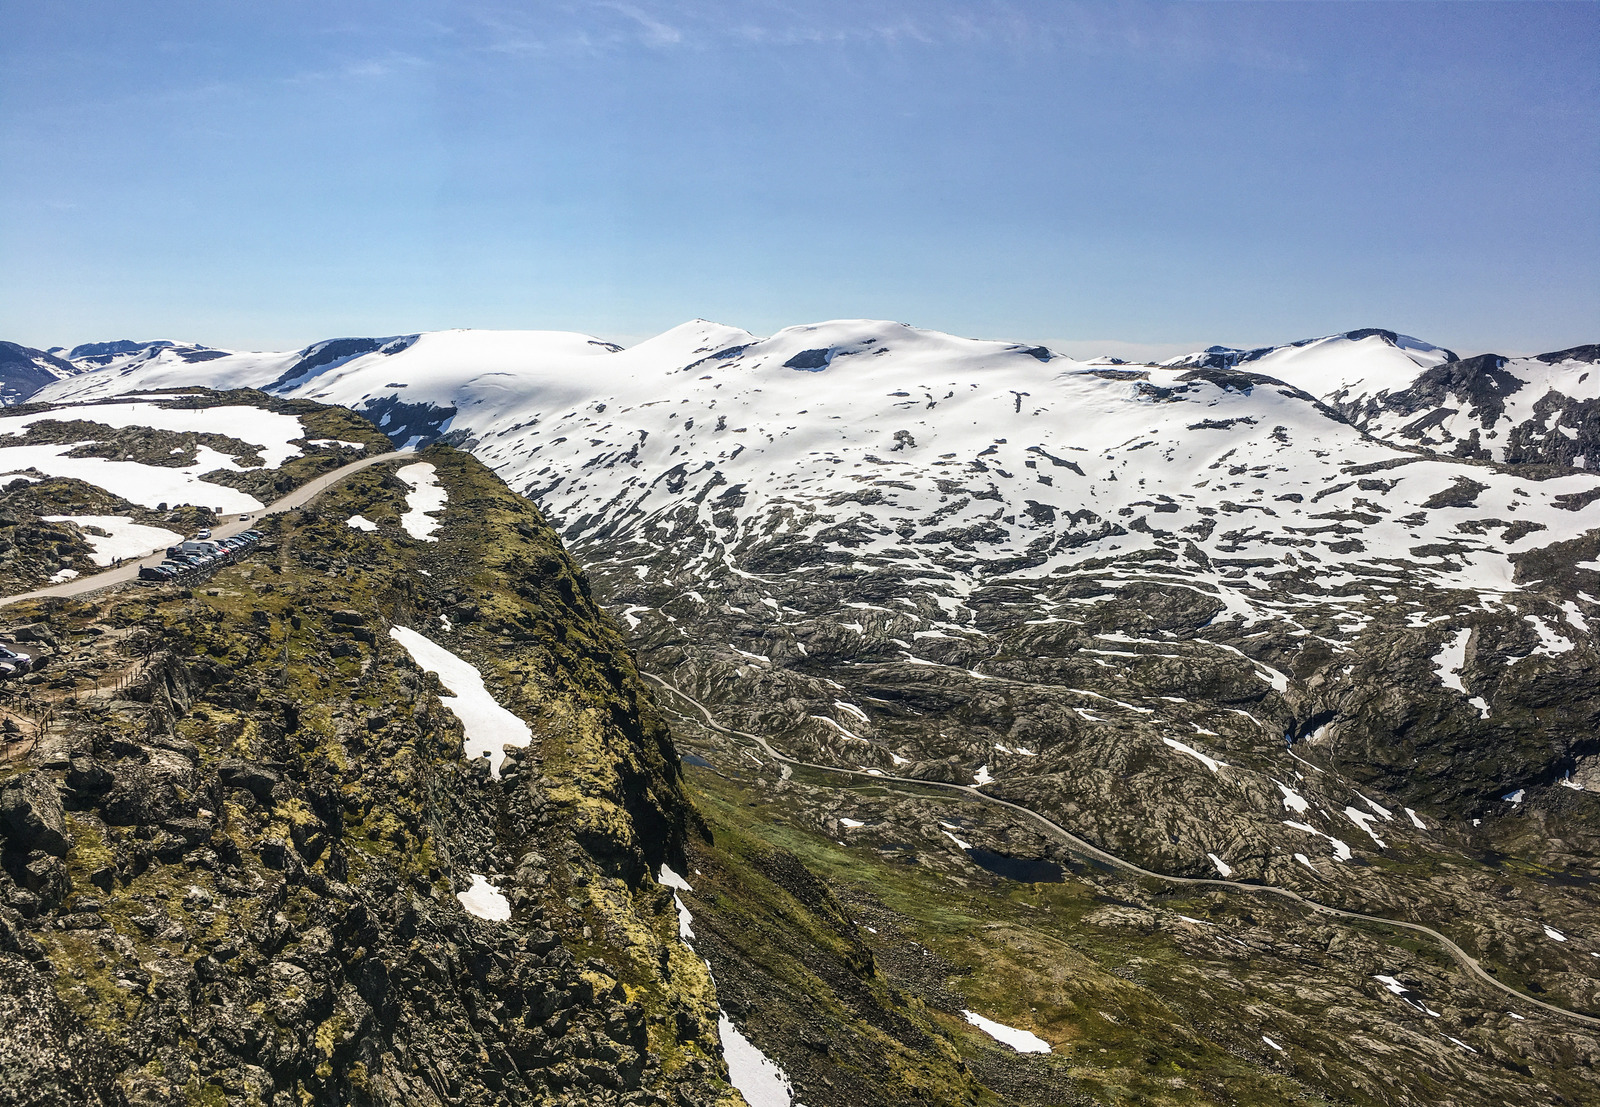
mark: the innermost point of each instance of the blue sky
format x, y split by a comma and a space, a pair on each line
1100, 176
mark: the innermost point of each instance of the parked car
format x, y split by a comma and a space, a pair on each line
14, 662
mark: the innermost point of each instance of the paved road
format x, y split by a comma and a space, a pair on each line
128, 571
1459, 955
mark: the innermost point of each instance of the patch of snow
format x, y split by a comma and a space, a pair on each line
61, 576
427, 497
1449, 661
124, 537
488, 727
1515, 797
982, 776
1382, 811
851, 709
757, 1077
1209, 762
1553, 934
1415, 821
1550, 643
851, 823
1340, 849
361, 522
957, 841
1392, 984
1272, 1043
1023, 1041
669, 879
1364, 820
484, 900
1292, 800
1222, 866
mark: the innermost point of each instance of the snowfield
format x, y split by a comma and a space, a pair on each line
887, 423
146, 485
270, 433
273, 433
123, 538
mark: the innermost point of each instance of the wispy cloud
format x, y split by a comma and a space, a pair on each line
373, 68
1137, 30
656, 32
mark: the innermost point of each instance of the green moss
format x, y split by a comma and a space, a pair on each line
196, 1094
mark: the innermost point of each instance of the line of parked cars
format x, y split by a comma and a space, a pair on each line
200, 554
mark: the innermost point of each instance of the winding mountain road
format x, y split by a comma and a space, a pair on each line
1457, 954
129, 571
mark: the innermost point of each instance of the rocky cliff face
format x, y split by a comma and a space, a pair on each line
240, 836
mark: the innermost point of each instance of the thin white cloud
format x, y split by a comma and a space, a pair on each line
656, 32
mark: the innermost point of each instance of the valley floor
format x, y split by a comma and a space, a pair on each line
850, 931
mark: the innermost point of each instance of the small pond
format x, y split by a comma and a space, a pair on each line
1028, 870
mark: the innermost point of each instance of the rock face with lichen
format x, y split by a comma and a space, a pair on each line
231, 875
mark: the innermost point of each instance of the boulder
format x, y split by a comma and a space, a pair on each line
30, 808
251, 776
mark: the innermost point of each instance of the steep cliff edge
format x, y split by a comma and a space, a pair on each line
246, 859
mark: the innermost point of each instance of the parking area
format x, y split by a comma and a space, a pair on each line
195, 557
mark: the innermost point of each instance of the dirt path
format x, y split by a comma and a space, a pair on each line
129, 571
1457, 954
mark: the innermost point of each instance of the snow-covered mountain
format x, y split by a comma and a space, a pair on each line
1526, 410
868, 438
23, 371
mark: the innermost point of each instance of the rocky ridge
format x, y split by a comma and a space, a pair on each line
238, 825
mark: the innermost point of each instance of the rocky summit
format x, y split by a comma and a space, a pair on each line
914, 719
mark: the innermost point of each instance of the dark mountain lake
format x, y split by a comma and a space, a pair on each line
1028, 870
